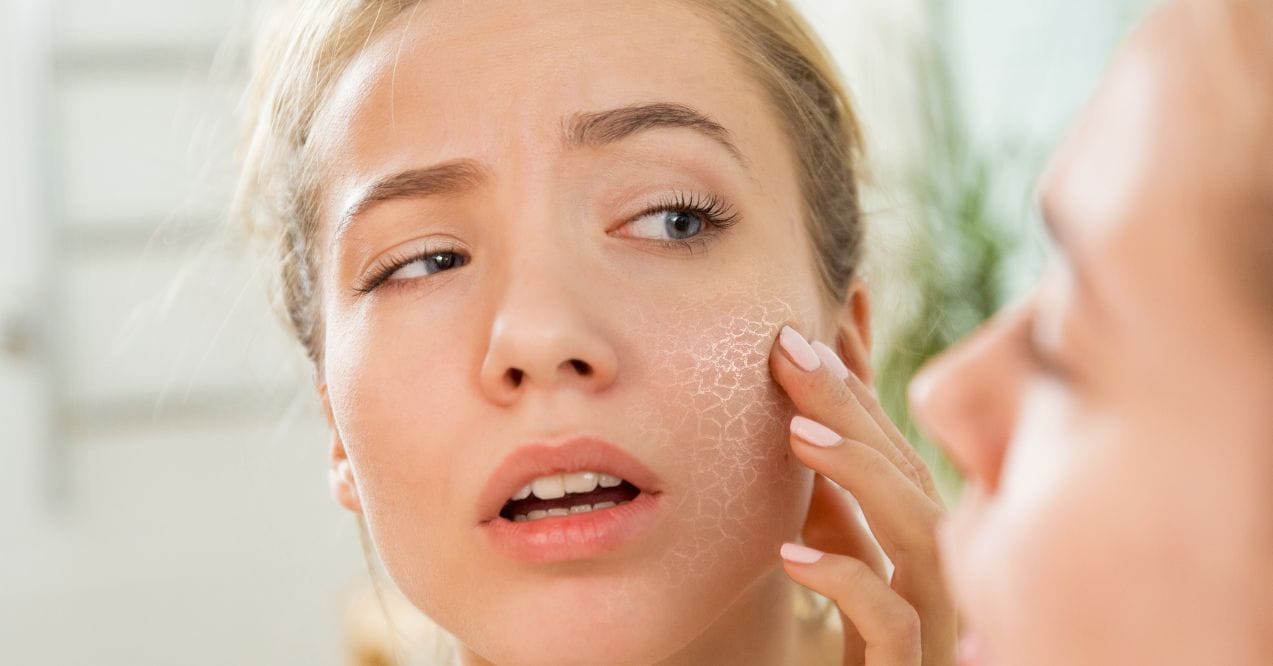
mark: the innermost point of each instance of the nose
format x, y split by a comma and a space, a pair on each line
967, 399
546, 335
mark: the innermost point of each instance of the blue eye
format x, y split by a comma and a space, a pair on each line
684, 221
675, 224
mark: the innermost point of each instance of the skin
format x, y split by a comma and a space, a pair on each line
570, 317
1114, 425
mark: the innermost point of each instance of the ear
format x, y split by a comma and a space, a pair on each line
340, 473
853, 331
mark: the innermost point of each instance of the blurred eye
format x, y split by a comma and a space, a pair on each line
1042, 338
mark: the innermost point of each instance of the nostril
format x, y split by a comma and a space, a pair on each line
516, 376
581, 367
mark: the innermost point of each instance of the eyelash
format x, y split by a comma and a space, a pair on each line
714, 211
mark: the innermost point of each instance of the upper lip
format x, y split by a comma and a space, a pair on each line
577, 454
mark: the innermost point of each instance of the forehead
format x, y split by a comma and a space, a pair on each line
1156, 181
488, 80
1155, 164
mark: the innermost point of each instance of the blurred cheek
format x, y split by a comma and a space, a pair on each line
1074, 537
1020, 540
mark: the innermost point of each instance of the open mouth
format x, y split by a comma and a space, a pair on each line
568, 494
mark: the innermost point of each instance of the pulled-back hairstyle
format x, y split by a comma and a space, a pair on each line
307, 46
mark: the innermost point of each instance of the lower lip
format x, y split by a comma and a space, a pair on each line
576, 536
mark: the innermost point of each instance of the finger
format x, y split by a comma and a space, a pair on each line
819, 393
870, 401
899, 514
902, 517
835, 525
889, 626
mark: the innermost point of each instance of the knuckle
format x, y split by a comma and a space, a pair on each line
872, 463
840, 398
854, 571
905, 624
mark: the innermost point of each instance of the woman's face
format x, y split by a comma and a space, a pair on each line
512, 255
1115, 426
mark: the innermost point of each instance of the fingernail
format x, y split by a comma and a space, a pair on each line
832, 359
794, 552
813, 432
798, 349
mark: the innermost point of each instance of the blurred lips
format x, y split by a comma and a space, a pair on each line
574, 536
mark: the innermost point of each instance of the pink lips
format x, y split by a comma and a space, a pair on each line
576, 536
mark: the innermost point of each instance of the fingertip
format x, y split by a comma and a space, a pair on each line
831, 359
799, 554
812, 432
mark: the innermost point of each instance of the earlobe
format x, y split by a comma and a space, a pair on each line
340, 473
341, 478
853, 331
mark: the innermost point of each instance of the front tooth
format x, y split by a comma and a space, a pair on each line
599, 505
559, 511
581, 508
523, 493
580, 482
548, 487
608, 481
537, 514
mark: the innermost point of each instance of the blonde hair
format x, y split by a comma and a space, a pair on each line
305, 49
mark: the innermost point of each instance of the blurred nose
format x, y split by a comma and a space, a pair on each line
967, 398
546, 335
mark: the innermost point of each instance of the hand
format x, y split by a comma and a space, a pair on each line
842, 433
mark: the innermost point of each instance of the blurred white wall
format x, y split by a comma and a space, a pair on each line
163, 484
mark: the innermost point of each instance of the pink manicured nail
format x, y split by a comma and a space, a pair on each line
794, 552
832, 359
813, 432
798, 349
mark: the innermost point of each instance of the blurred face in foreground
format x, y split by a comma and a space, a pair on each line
1117, 427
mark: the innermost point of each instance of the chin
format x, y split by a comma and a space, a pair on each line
584, 625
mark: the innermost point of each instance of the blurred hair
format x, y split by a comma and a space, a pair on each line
308, 45
1237, 59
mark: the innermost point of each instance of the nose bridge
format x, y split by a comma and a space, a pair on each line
546, 330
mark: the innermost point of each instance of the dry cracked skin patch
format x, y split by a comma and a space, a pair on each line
740, 491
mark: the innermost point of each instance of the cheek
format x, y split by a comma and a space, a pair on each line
720, 421
386, 392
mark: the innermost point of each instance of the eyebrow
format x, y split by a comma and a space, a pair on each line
581, 130
438, 180
603, 127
